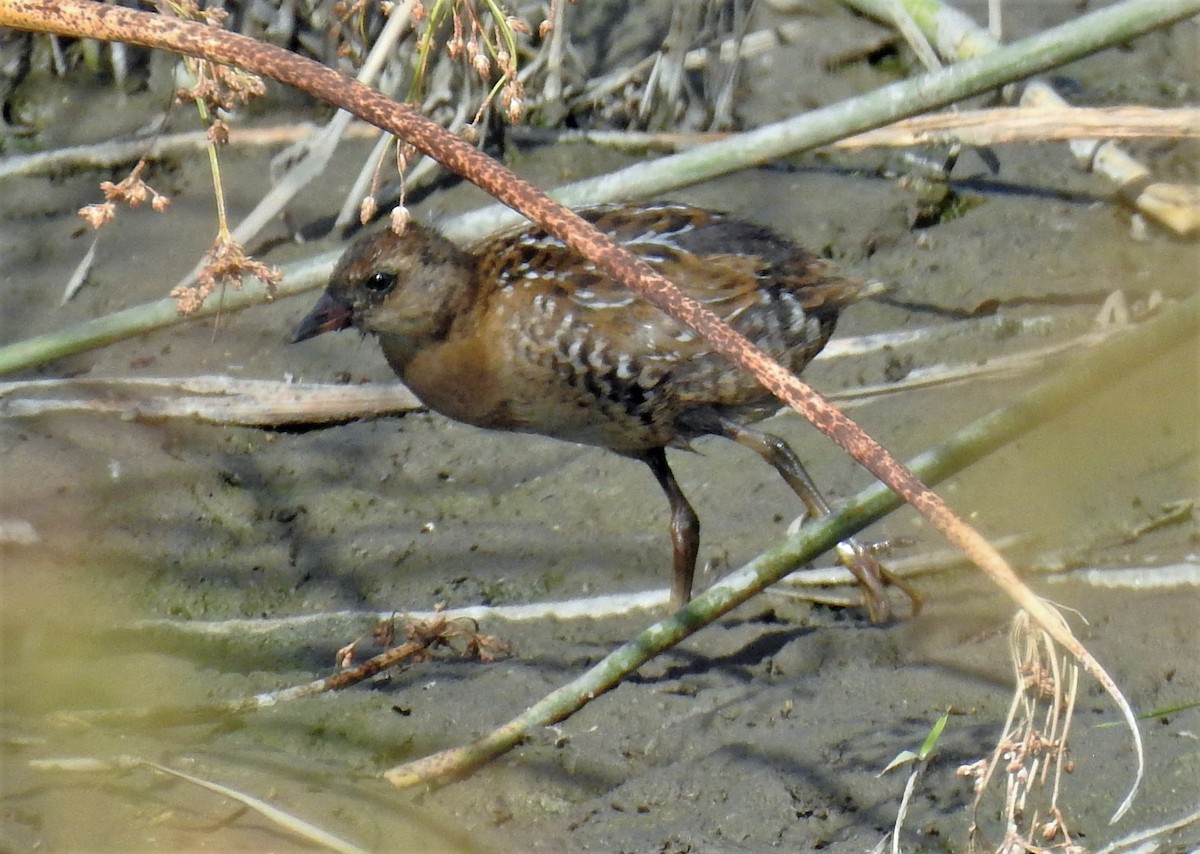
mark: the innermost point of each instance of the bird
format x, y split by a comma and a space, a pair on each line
519, 333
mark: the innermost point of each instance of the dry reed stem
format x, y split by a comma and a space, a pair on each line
995, 126
222, 400
1031, 124
1177, 206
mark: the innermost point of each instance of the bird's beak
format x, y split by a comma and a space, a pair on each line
328, 315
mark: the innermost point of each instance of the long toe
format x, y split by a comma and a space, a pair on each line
872, 578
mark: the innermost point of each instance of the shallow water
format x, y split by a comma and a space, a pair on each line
768, 729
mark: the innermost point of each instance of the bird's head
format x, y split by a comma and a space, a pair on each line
408, 285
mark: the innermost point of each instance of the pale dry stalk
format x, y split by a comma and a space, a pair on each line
1034, 741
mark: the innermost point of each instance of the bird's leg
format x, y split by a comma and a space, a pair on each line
856, 557
685, 528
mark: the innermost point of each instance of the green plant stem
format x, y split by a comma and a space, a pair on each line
1096, 370
952, 33
1038, 53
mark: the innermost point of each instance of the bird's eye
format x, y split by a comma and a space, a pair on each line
380, 283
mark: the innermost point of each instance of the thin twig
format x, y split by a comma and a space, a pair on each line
82, 270
436, 629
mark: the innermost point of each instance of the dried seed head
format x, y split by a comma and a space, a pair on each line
505, 63
399, 219
516, 108
98, 214
512, 99
367, 209
218, 133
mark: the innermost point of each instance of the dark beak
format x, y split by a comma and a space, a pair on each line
328, 315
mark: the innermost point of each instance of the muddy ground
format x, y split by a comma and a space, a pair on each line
765, 731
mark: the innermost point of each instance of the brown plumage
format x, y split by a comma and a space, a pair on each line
521, 334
